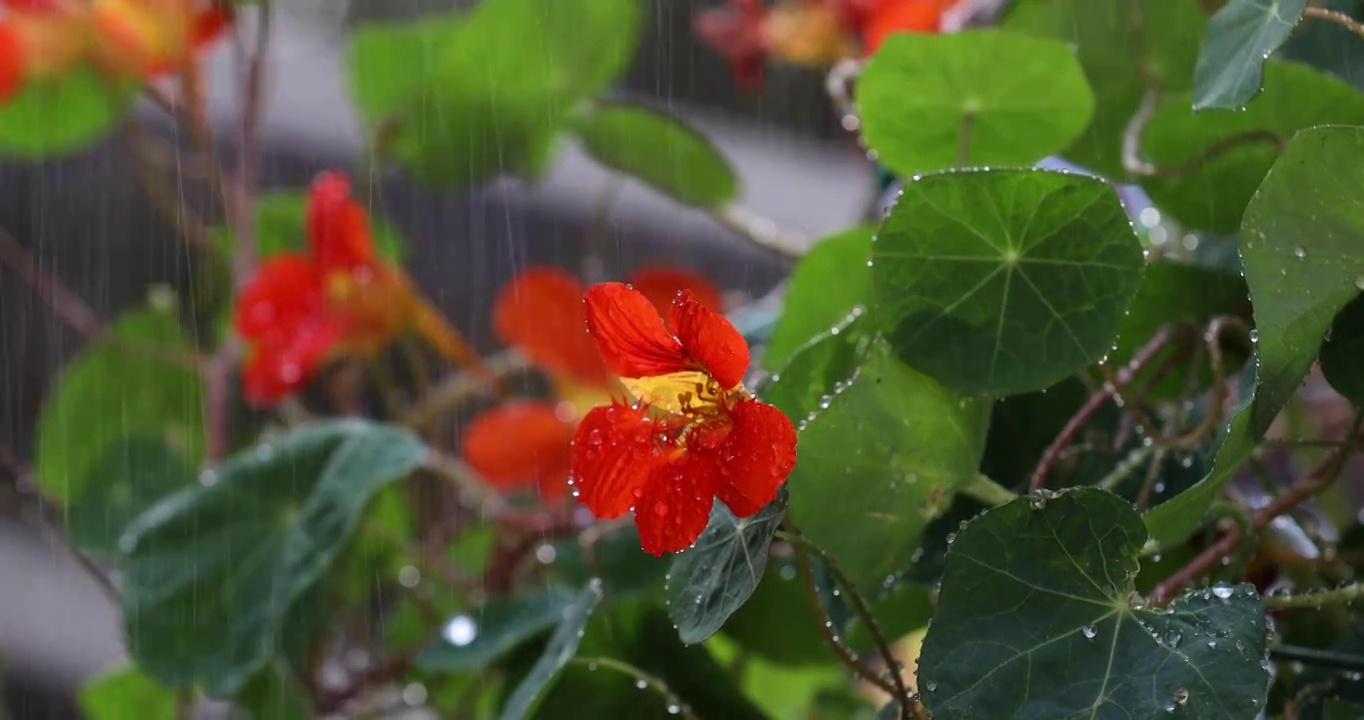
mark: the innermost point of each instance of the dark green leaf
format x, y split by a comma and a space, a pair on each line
274, 694
998, 282
712, 580
563, 645
124, 693
281, 226
1240, 36
906, 608
1213, 196
778, 623
536, 62
1022, 426
1300, 243
880, 461
1038, 619
825, 286
1172, 293
1173, 521
132, 475
1342, 353
615, 557
1113, 41
475, 640
815, 368
660, 151
1334, 709
108, 392
983, 97
61, 115
211, 571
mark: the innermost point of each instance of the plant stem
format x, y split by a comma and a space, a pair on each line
650, 681
896, 687
1336, 17
1318, 479
1346, 595
760, 231
1321, 658
462, 385
987, 491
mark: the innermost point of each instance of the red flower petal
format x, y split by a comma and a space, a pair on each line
662, 286
923, 16
541, 313
210, 24
285, 293
614, 452
276, 371
521, 443
672, 512
711, 340
755, 458
12, 70
338, 227
735, 33
630, 333
37, 7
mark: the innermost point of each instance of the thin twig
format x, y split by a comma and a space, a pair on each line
1346, 595
838, 84
1336, 17
462, 385
1309, 693
1315, 481
1317, 657
642, 680
896, 687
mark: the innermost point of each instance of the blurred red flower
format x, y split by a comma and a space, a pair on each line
540, 312
695, 434
336, 299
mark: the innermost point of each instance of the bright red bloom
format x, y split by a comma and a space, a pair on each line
695, 435
540, 312
122, 39
811, 33
300, 310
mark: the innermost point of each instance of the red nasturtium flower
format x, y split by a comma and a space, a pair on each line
339, 298
526, 443
811, 33
695, 434
121, 39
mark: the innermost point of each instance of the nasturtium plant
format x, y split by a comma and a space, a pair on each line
1014, 442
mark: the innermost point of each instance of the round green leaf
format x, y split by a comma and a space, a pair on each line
211, 571
984, 97
1240, 36
110, 391
1038, 619
130, 476
563, 645
713, 579
881, 459
124, 693
1342, 353
660, 151
1301, 246
1113, 40
61, 115
826, 285
1213, 196
998, 282
816, 367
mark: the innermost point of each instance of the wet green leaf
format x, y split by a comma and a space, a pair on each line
274, 693
615, 558
131, 476
981, 97
474, 640
880, 461
1342, 353
1213, 196
1006, 281
210, 572
563, 645
826, 285
713, 579
124, 693
1240, 36
1036, 621
59, 116
1112, 40
816, 367
537, 62
108, 392
660, 151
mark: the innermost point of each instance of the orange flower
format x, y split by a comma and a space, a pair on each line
122, 39
540, 312
337, 299
810, 33
695, 434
